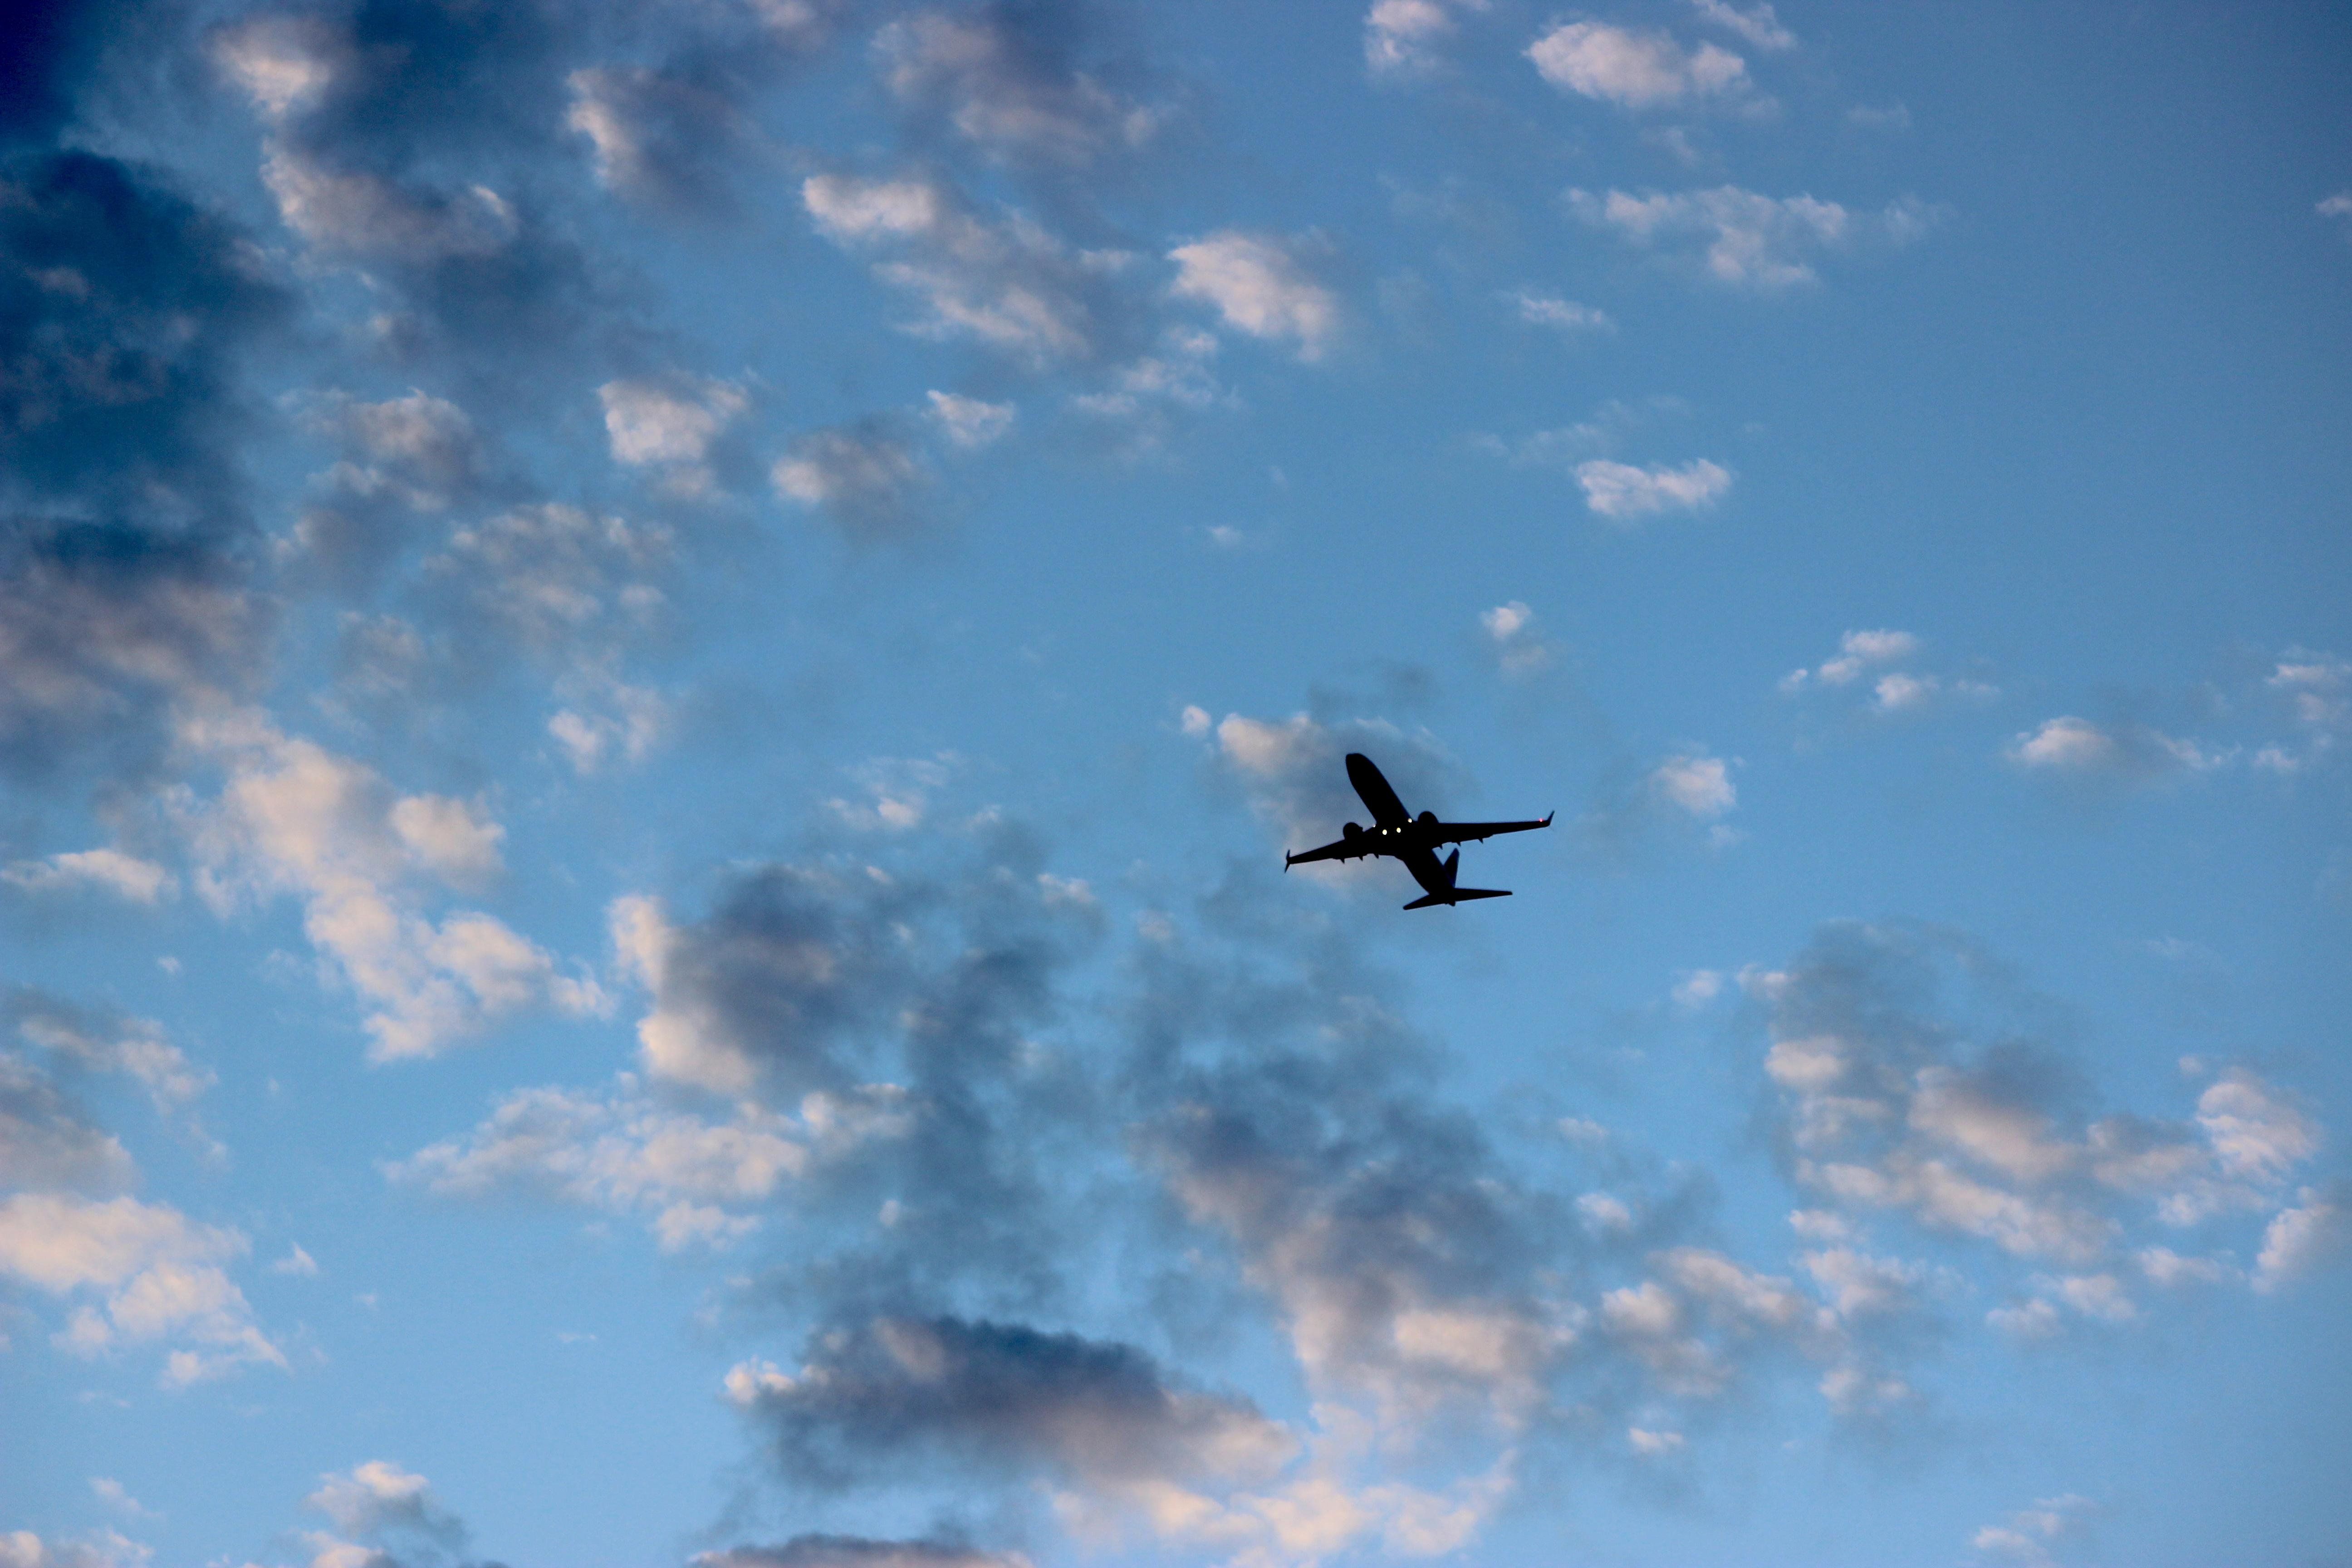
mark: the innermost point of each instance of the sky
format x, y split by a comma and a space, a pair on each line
655, 661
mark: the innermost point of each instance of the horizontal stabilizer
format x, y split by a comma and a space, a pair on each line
1459, 895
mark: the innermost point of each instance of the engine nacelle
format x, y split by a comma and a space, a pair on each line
1351, 831
1427, 819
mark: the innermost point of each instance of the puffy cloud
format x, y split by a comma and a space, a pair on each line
2130, 751
865, 478
673, 421
1758, 24
1260, 284
124, 876
1699, 786
1002, 1397
106, 1041
294, 818
1519, 647
1747, 239
1010, 286
1000, 75
565, 583
1886, 1107
1625, 494
2299, 1239
159, 1275
107, 1549
1635, 69
1402, 37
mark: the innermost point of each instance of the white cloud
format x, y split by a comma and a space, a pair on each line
689, 1176
295, 818
136, 1047
105, 1549
1756, 23
2299, 1239
671, 421
1259, 286
1009, 285
364, 214
970, 422
2067, 744
1625, 494
2338, 206
108, 870
284, 64
1402, 37
1698, 785
159, 1275
1747, 239
1564, 316
2027, 1536
1519, 647
296, 1262
1636, 70
1654, 1445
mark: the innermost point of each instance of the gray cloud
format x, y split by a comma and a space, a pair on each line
999, 1397
1003, 78
855, 1552
123, 312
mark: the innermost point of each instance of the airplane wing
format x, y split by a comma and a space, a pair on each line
1337, 849
1381, 801
1471, 832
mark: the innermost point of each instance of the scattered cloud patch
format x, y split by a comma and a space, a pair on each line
969, 423
1758, 24
2338, 206
1000, 76
2028, 1535
1635, 69
865, 478
1563, 316
1403, 40
1519, 648
1626, 495
1700, 785
1261, 285
2129, 751
1745, 239
103, 870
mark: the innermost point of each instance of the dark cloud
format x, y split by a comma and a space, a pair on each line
1001, 1397
869, 478
1025, 82
124, 310
854, 1551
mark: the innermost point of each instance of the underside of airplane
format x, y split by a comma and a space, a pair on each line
1399, 835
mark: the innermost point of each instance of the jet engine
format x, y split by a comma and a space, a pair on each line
1352, 831
1427, 819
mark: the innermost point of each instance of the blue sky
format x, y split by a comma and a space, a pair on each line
655, 662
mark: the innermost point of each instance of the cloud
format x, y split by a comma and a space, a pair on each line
106, 1548
159, 1277
970, 422
1519, 648
2316, 1231
293, 817
999, 75
1625, 494
2029, 1533
865, 478
1886, 1105
671, 422
1000, 1396
659, 138
108, 870
1756, 23
1261, 286
1745, 239
854, 1551
2069, 746
1634, 69
108, 1041
625, 1152
2338, 206
1402, 37
1563, 316
1294, 773
1700, 785
1009, 286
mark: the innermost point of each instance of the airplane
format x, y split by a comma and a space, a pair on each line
1398, 834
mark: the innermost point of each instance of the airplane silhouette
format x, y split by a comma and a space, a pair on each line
1398, 834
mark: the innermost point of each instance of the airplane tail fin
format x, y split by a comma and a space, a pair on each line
1458, 895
